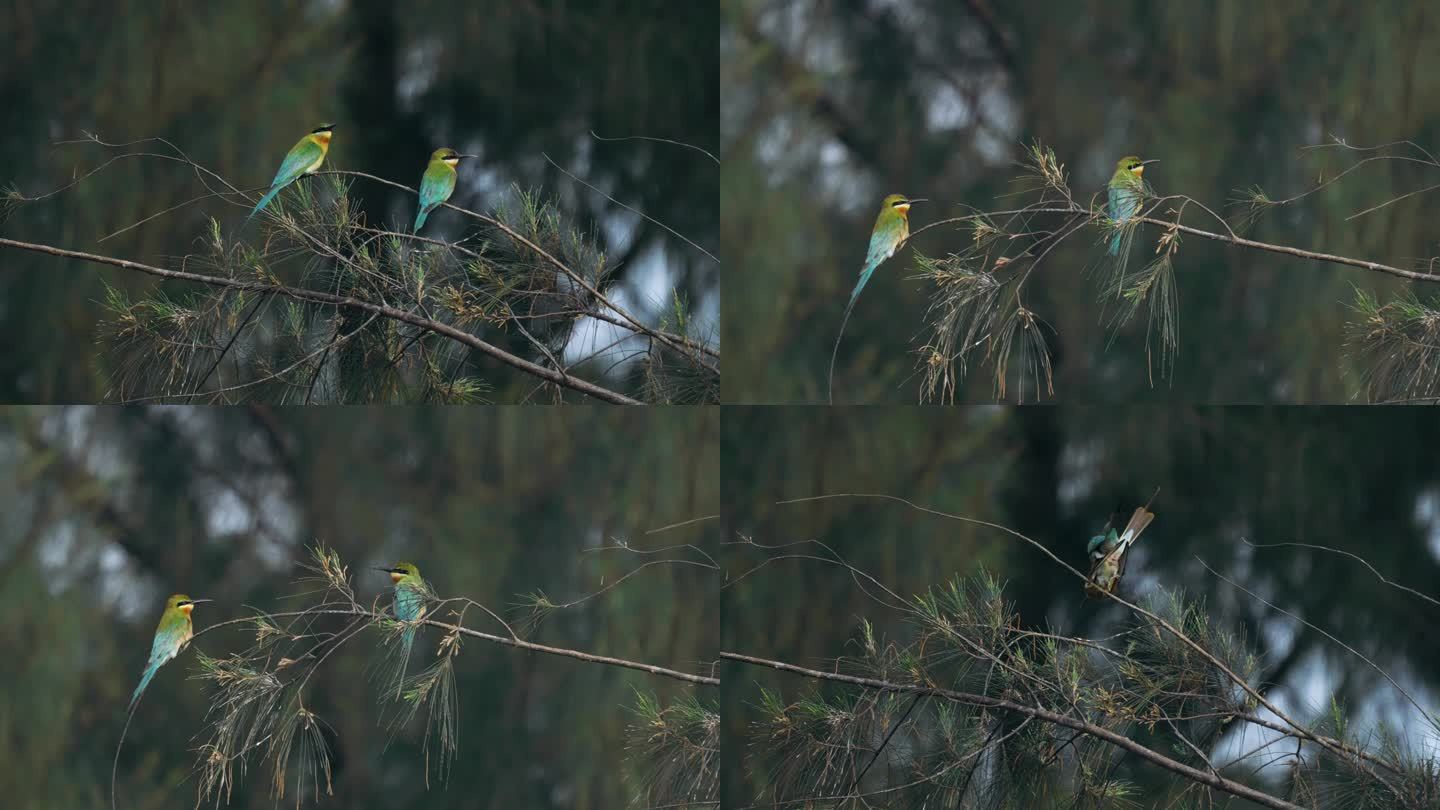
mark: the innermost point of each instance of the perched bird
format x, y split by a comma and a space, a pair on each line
303, 158
410, 595
173, 632
1107, 554
1127, 191
892, 228
437, 184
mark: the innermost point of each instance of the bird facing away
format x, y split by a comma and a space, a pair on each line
437, 184
1127, 191
171, 635
303, 158
892, 228
1107, 554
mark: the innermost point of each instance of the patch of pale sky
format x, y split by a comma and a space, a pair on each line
55, 552
809, 38
649, 285
645, 293
485, 184
1427, 514
1310, 689
1279, 633
134, 601
774, 145
947, 108
1244, 558
619, 230
1078, 473
420, 64
226, 513
841, 182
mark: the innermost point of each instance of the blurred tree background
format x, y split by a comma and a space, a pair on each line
235, 84
107, 511
1354, 479
829, 105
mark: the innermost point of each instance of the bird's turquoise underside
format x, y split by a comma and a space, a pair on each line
409, 603
435, 187
169, 637
1124, 203
883, 241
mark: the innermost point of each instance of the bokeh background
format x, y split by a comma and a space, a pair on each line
829, 105
235, 84
1359, 480
107, 511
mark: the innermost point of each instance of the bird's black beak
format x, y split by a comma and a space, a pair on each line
386, 570
1148, 162
198, 601
918, 199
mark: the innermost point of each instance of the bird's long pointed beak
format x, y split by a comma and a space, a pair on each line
198, 601
386, 570
918, 199
1148, 162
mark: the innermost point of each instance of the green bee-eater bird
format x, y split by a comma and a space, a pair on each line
892, 228
410, 595
171, 635
1127, 192
1107, 554
437, 184
303, 158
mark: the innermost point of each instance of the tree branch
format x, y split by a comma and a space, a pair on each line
1299, 730
1238, 241
460, 336
634, 323
510, 641
1118, 740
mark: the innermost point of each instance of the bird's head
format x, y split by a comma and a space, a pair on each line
446, 154
1099, 542
898, 203
1133, 165
322, 133
400, 570
182, 603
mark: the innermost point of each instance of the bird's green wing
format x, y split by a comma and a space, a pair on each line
297, 161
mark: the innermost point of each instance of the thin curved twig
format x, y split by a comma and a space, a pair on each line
1356, 558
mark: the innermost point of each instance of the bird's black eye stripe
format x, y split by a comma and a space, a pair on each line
184, 602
